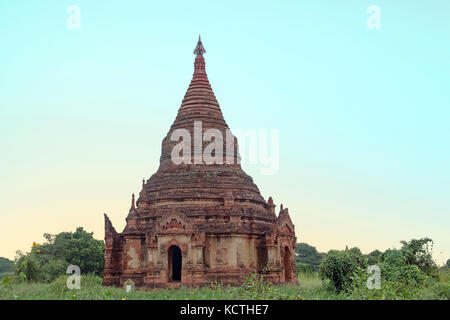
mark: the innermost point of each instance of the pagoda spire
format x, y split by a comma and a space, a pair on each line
199, 49
199, 65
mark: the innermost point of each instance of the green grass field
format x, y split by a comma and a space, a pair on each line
309, 287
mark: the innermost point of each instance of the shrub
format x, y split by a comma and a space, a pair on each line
408, 273
304, 268
340, 267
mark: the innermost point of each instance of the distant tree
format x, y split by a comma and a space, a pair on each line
356, 251
6, 265
306, 254
374, 257
47, 261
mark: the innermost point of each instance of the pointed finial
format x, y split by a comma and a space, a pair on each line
199, 49
143, 182
132, 202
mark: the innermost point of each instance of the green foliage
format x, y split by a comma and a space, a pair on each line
255, 287
374, 257
6, 265
47, 261
306, 254
407, 282
81, 249
304, 268
340, 267
395, 268
418, 252
6, 268
310, 287
408, 273
401, 278
444, 275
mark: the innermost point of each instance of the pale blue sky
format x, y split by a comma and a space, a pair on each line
363, 114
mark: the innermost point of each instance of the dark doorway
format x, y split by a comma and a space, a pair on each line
287, 265
174, 263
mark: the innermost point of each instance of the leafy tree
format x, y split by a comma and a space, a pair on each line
47, 261
306, 254
374, 257
419, 252
6, 265
81, 249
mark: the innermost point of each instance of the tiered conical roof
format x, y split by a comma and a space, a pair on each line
200, 183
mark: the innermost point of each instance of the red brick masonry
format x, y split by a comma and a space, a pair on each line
194, 223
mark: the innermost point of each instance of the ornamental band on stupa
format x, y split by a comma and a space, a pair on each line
196, 222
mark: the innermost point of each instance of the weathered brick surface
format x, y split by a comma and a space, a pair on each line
214, 213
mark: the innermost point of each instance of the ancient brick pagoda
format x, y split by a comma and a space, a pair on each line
196, 222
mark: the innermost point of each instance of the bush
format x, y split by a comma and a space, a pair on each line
340, 267
304, 268
394, 268
408, 273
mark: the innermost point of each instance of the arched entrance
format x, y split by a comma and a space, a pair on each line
287, 265
174, 265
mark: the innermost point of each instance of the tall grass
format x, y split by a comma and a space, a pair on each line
309, 287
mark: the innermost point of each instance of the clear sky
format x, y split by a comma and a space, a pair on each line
363, 114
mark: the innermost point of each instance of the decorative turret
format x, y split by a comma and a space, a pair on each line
142, 196
133, 206
271, 206
109, 229
132, 214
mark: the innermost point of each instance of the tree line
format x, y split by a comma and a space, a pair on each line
341, 270
402, 272
46, 261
